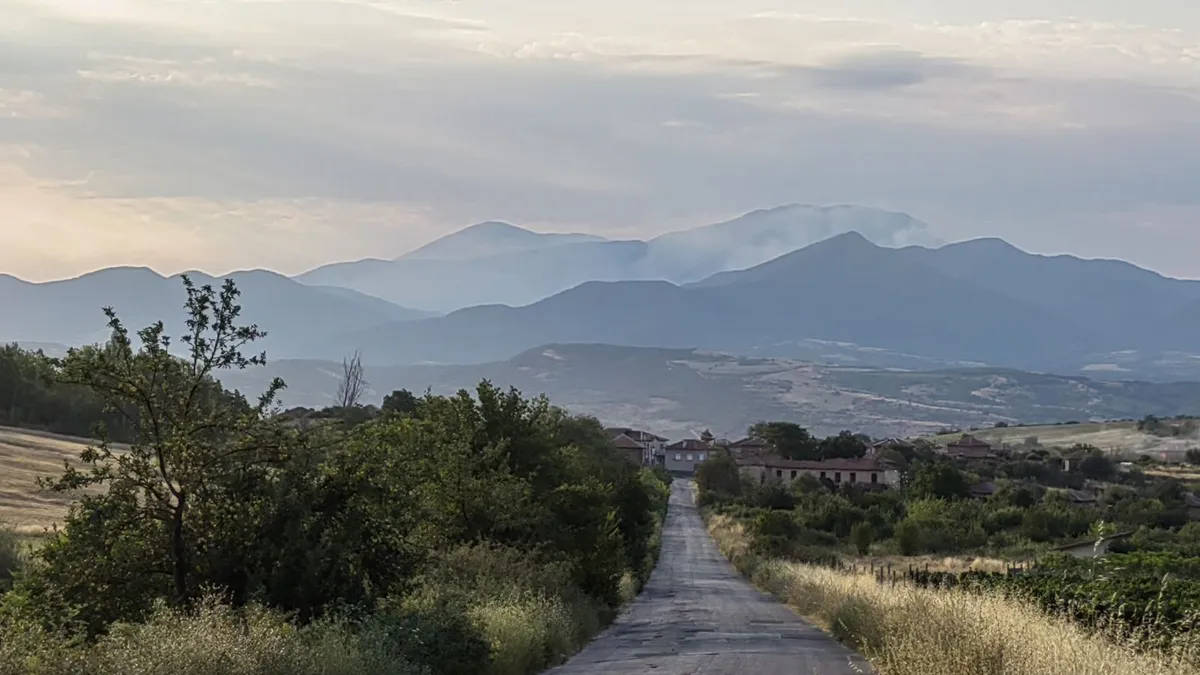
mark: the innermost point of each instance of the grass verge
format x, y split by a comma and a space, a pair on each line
905, 630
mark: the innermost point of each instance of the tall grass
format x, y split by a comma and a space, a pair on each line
904, 630
212, 639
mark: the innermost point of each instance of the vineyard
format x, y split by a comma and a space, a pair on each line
1149, 598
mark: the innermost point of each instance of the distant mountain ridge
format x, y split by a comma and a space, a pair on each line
498, 263
915, 301
680, 392
493, 238
297, 318
842, 300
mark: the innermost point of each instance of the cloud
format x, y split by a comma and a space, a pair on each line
236, 132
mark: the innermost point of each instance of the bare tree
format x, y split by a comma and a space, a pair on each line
353, 385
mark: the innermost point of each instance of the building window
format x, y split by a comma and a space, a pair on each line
853, 477
822, 475
874, 478
837, 476
793, 474
678, 457
700, 457
779, 473
689, 457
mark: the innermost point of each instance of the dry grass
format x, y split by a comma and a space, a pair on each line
906, 630
1110, 436
24, 457
1186, 474
933, 563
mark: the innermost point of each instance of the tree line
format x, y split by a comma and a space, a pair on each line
474, 533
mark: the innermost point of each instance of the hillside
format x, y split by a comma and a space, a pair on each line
497, 263
679, 392
1109, 436
860, 303
24, 457
297, 317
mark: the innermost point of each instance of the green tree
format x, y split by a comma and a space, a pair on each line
401, 402
719, 474
937, 480
790, 440
861, 536
908, 537
1097, 467
152, 524
844, 445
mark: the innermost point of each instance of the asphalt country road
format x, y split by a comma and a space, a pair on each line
697, 616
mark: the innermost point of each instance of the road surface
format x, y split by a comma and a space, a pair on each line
697, 616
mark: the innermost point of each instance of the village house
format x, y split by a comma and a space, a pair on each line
984, 490
865, 471
748, 447
636, 452
686, 455
1081, 498
971, 448
653, 446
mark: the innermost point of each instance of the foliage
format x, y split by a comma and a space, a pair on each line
937, 480
477, 533
719, 474
400, 402
32, 395
790, 440
11, 556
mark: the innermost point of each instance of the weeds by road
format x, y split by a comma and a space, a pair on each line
905, 630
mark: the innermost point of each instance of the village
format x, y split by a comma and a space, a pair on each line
760, 462
876, 469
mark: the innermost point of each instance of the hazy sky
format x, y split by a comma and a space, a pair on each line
224, 134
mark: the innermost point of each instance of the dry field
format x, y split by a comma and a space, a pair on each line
25, 456
1118, 437
905, 630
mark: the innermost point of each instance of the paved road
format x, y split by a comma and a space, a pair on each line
697, 616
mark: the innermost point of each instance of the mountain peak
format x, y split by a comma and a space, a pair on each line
490, 238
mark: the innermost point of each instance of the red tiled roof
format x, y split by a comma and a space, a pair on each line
969, 441
858, 464
689, 444
984, 489
624, 442
635, 434
750, 442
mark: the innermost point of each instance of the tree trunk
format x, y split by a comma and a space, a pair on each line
179, 551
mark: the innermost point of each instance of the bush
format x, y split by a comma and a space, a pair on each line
861, 535
11, 556
443, 638
212, 639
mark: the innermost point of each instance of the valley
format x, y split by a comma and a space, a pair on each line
680, 392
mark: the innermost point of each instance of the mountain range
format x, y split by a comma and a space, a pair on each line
977, 302
498, 263
298, 318
842, 300
681, 392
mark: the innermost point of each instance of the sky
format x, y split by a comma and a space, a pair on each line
284, 134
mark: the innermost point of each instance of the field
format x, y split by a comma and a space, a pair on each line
1108, 436
909, 630
25, 456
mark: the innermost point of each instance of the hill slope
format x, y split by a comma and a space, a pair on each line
843, 289
678, 392
858, 301
297, 317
